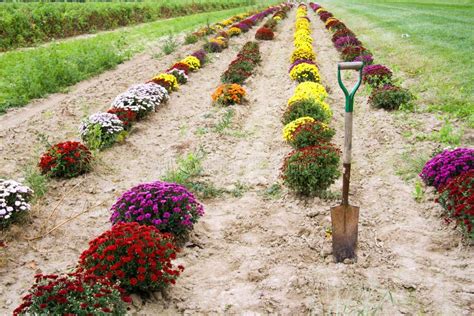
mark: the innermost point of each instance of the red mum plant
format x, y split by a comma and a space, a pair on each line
457, 197
137, 256
73, 294
66, 160
126, 116
311, 134
265, 34
325, 16
180, 66
342, 33
349, 53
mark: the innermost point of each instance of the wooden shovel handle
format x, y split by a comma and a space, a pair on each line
353, 65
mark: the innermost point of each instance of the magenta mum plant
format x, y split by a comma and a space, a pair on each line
376, 75
345, 41
447, 165
167, 206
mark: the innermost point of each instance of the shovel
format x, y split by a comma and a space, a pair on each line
345, 218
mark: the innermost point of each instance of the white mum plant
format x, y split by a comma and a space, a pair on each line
141, 98
14, 201
179, 74
101, 129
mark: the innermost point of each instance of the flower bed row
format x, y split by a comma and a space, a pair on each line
231, 92
313, 164
103, 129
385, 92
266, 32
451, 172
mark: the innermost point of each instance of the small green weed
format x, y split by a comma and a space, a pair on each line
411, 165
273, 192
169, 45
239, 189
418, 193
225, 121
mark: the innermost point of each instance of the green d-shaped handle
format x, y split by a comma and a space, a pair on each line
355, 65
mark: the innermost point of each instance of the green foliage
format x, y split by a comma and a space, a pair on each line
273, 192
190, 39
418, 193
189, 169
24, 24
36, 181
311, 108
411, 164
97, 138
311, 170
170, 45
390, 97
310, 134
239, 189
225, 122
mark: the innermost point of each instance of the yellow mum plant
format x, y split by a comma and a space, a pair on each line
310, 91
305, 72
234, 31
167, 81
293, 125
302, 53
192, 62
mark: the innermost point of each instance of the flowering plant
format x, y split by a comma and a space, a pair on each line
214, 46
389, 97
447, 165
141, 99
305, 72
344, 41
342, 33
241, 67
201, 55
137, 256
244, 27
302, 53
73, 294
311, 170
169, 207
349, 53
265, 34
192, 62
457, 197
302, 36
180, 75
126, 116
289, 128
101, 130
179, 66
317, 109
325, 16
229, 94
310, 134
366, 58
66, 160
167, 81
301, 61
234, 31
14, 201
376, 75
309, 90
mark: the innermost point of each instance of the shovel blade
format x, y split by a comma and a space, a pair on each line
345, 221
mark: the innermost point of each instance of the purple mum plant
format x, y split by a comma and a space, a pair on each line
376, 75
345, 41
201, 55
367, 59
170, 207
447, 165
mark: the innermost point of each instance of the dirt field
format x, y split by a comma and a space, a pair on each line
255, 253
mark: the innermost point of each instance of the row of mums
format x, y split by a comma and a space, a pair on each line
313, 164
148, 222
385, 92
231, 92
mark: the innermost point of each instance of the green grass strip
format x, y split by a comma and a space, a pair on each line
35, 73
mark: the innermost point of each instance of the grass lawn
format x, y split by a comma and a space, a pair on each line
430, 41
34, 73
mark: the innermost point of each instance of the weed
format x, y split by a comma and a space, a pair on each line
447, 135
189, 167
273, 192
225, 121
36, 181
239, 189
418, 193
201, 131
190, 39
411, 165
169, 45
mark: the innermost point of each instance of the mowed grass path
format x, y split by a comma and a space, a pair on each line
34, 73
431, 41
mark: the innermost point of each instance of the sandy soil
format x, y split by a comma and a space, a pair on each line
255, 253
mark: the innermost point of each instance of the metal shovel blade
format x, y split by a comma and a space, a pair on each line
345, 219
